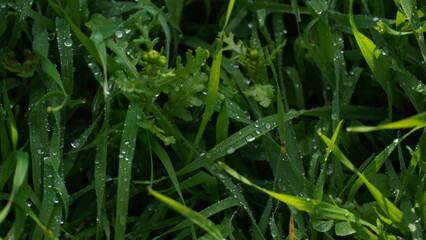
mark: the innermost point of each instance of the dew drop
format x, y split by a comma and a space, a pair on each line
119, 34
268, 126
230, 150
75, 144
412, 227
250, 138
68, 42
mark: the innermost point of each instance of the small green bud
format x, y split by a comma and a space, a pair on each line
153, 56
162, 61
254, 53
145, 56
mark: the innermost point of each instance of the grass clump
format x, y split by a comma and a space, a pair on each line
176, 119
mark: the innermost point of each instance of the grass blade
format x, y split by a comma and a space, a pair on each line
319, 208
100, 180
192, 215
77, 31
213, 85
127, 148
232, 143
162, 155
416, 121
377, 62
394, 214
20, 175
65, 47
208, 211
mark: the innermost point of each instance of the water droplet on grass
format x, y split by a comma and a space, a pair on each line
119, 34
412, 227
250, 138
68, 42
75, 144
230, 150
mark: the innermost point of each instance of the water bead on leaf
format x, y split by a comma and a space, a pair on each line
68, 42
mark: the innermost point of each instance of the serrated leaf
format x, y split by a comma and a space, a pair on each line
261, 93
185, 96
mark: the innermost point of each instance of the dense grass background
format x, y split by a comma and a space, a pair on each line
193, 119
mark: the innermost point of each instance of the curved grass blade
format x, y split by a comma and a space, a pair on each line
416, 121
28, 211
10, 120
208, 211
392, 212
410, 10
238, 140
315, 207
192, 215
162, 154
377, 163
377, 62
21, 169
232, 143
127, 149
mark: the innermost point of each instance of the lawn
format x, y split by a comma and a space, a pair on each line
212, 119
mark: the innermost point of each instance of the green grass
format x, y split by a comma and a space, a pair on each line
190, 119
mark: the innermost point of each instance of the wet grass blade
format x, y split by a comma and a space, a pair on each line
410, 10
208, 211
315, 207
100, 180
394, 214
232, 143
65, 47
127, 148
192, 215
57, 7
237, 140
377, 62
416, 121
20, 175
51, 71
165, 159
213, 85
